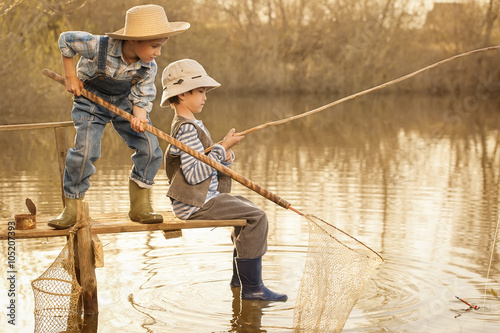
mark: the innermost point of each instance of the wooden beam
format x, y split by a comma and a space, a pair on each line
169, 234
109, 223
98, 251
5, 128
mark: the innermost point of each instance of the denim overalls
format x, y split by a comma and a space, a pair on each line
90, 120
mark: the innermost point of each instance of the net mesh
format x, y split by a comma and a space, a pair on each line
57, 295
337, 267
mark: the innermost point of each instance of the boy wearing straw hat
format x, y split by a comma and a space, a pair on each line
120, 68
200, 192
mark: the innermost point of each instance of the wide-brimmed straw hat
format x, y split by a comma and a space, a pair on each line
148, 22
182, 76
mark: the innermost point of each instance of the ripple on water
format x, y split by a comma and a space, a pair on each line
413, 295
188, 290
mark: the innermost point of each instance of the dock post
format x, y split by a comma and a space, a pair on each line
86, 265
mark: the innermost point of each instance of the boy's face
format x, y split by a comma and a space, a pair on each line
148, 50
194, 100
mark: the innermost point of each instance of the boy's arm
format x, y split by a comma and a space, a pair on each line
73, 83
143, 92
142, 95
70, 44
140, 117
194, 170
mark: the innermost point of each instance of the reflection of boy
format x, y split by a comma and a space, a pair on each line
121, 69
200, 192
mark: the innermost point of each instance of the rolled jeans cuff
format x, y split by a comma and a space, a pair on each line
142, 183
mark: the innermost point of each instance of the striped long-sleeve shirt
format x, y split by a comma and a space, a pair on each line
194, 170
86, 45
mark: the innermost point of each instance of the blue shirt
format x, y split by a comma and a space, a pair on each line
86, 45
194, 170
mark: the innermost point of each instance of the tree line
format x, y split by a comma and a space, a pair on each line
271, 46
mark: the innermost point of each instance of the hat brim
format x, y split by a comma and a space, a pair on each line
175, 29
205, 82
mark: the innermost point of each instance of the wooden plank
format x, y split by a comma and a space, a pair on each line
109, 223
169, 234
98, 251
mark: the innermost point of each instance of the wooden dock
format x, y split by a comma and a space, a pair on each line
116, 223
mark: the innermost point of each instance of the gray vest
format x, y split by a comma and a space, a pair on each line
180, 189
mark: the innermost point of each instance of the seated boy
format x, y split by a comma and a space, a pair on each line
200, 192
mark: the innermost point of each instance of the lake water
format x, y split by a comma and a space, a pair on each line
414, 178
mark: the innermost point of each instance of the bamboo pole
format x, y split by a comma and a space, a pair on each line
364, 92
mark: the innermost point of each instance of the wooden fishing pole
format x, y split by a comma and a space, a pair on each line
364, 92
164, 136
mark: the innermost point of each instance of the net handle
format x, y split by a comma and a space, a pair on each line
164, 136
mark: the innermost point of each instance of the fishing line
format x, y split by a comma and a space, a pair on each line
491, 260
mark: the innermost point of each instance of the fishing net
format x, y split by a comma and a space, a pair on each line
336, 270
57, 295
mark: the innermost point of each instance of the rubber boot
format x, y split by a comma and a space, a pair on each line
140, 206
67, 218
252, 287
235, 280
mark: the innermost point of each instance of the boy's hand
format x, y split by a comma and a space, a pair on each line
231, 139
140, 118
74, 85
137, 126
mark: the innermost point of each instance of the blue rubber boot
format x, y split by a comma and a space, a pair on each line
252, 287
235, 280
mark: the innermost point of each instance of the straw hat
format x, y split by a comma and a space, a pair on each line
148, 22
182, 76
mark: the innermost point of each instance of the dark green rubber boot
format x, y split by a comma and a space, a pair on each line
67, 218
140, 206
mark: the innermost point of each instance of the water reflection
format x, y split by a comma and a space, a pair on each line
410, 176
247, 314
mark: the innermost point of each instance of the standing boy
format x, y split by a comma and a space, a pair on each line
198, 191
120, 68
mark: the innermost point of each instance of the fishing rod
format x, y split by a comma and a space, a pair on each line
164, 136
364, 92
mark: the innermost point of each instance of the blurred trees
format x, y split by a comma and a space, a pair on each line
268, 46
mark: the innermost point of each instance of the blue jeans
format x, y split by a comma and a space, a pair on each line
90, 120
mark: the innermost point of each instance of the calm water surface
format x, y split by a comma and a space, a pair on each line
415, 178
